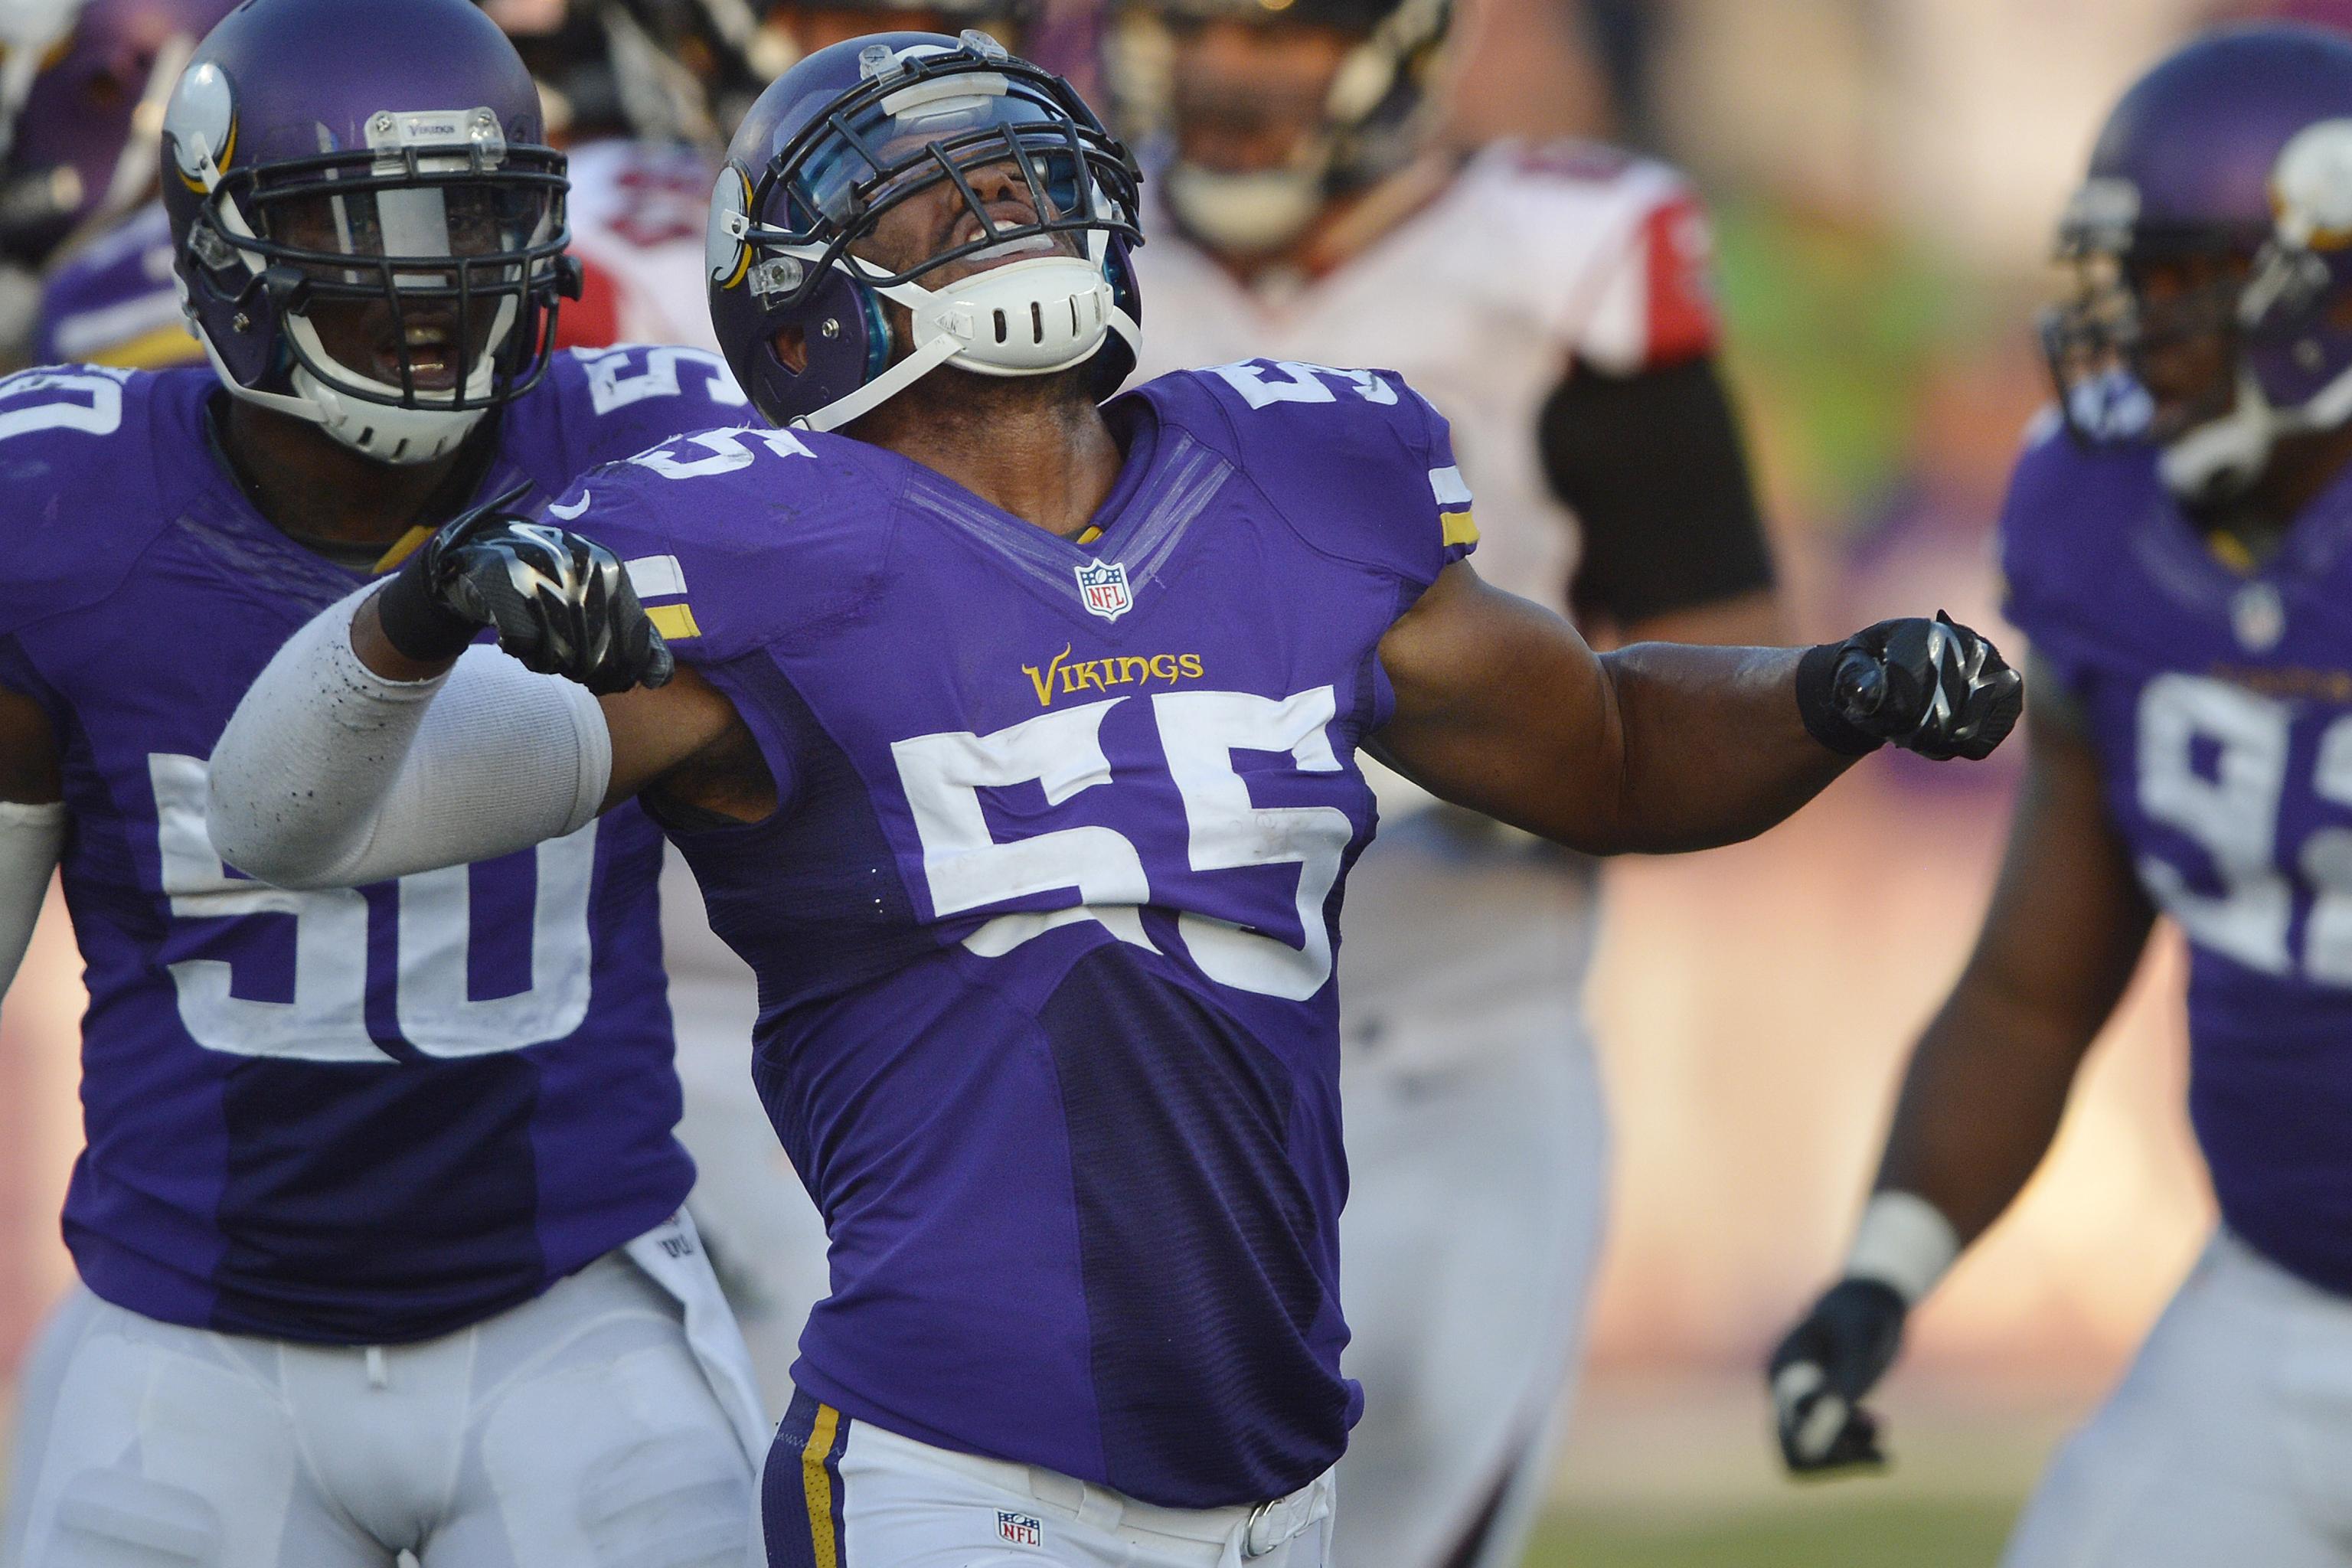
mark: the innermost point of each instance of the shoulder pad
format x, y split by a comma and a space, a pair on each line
2066, 531
600, 405
739, 537
1358, 462
81, 466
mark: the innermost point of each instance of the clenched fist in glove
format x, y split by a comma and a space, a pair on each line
1935, 687
1821, 1371
560, 602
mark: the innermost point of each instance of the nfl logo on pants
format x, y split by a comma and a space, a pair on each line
1103, 586
1020, 1529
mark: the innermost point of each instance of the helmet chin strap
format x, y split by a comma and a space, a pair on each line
2223, 457
384, 431
1032, 317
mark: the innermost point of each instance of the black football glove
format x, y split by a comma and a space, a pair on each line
1931, 686
1822, 1372
560, 602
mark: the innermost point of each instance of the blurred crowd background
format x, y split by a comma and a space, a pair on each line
1883, 174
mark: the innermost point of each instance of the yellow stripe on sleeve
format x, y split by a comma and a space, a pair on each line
406, 545
816, 1481
1459, 529
165, 345
673, 621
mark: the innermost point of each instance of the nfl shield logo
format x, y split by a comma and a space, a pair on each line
1103, 586
1020, 1529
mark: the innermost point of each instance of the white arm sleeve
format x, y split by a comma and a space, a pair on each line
31, 839
330, 775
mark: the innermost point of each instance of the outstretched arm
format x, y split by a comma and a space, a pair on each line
1987, 1085
379, 742
1502, 708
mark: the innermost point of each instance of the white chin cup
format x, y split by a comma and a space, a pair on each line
1024, 318
384, 431
2224, 456
1244, 214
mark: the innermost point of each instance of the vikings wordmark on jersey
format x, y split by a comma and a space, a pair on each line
1079, 1159
350, 1116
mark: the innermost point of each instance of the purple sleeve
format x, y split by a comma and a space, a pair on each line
1358, 463
619, 401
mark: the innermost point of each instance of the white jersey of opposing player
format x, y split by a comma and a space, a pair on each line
1477, 1132
1533, 255
637, 211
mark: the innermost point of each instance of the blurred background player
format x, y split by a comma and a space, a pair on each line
641, 96
376, 1225
2175, 545
1552, 300
82, 85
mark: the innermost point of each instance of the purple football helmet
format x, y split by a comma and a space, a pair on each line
367, 226
81, 84
856, 129
2229, 165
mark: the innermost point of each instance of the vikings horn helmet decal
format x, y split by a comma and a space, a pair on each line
856, 129
368, 229
2228, 165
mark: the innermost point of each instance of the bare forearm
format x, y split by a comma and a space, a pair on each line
1714, 751
1981, 1102
1989, 1080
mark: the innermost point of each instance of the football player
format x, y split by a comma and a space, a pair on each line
1553, 300
1035, 843
82, 84
375, 1220
2174, 544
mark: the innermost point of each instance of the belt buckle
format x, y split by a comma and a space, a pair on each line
1257, 1517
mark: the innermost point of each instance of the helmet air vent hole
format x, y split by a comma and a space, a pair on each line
999, 326
1073, 315
1037, 320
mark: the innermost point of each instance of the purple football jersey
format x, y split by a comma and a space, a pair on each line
1044, 924
116, 302
2220, 706
349, 1116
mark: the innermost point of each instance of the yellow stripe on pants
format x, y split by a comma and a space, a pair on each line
816, 1485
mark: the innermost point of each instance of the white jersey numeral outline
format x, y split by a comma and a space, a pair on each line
326, 1021
969, 869
2232, 816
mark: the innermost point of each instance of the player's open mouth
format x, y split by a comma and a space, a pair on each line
431, 353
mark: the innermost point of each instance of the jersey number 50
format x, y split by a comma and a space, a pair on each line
327, 1019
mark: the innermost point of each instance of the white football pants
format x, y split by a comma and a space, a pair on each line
846, 1494
1477, 1156
2229, 1442
578, 1430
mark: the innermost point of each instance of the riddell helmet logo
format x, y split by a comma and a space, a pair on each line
1102, 585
